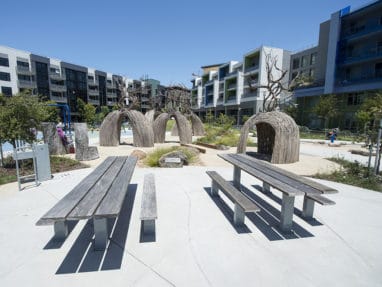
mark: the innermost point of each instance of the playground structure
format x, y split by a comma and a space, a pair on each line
146, 130
277, 136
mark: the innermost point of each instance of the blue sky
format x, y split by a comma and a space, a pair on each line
167, 40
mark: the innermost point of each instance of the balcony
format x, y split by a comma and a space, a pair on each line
144, 99
57, 88
23, 70
234, 73
249, 95
93, 101
111, 95
26, 84
357, 32
93, 92
61, 99
367, 55
92, 83
220, 101
360, 80
231, 87
58, 77
251, 68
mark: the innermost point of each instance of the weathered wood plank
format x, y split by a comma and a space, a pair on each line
321, 187
232, 193
149, 202
269, 170
87, 206
112, 203
60, 211
274, 182
320, 199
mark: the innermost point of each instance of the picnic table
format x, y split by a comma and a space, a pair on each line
290, 184
99, 196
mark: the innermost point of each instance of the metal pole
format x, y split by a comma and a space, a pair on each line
378, 147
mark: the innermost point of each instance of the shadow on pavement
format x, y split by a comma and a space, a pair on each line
83, 258
227, 211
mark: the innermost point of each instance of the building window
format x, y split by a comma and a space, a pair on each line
311, 73
379, 46
304, 61
296, 63
54, 71
378, 70
23, 64
6, 91
91, 78
5, 76
24, 77
313, 58
354, 100
4, 62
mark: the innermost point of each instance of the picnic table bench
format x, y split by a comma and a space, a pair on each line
148, 205
242, 203
98, 196
288, 183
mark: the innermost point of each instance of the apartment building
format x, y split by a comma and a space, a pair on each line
346, 62
236, 88
57, 80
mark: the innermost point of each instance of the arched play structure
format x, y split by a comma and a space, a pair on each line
184, 127
277, 136
110, 131
146, 130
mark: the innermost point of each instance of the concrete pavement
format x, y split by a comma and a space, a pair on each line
196, 243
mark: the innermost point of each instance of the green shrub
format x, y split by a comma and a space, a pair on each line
152, 159
353, 173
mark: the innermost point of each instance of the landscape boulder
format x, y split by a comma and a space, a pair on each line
173, 159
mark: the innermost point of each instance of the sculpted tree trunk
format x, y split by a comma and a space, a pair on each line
197, 125
53, 140
150, 116
83, 150
184, 128
110, 131
159, 127
143, 135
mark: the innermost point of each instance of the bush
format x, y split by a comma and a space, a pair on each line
152, 159
353, 173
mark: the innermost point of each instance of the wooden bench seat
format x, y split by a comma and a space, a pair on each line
289, 184
242, 203
148, 205
98, 196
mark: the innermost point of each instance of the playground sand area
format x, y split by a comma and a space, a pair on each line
307, 165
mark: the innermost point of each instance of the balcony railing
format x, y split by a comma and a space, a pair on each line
249, 95
93, 92
26, 84
359, 31
23, 70
58, 88
234, 73
56, 76
251, 68
366, 55
111, 95
93, 101
231, 99
231, 87
62, 99
360, 80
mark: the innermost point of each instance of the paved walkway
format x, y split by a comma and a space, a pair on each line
196, 243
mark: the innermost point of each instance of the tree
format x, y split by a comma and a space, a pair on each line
326, 108
103, 112
274, 85
81, 109
20, 117
90, 114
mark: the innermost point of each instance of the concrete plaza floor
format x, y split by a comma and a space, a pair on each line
196, 243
